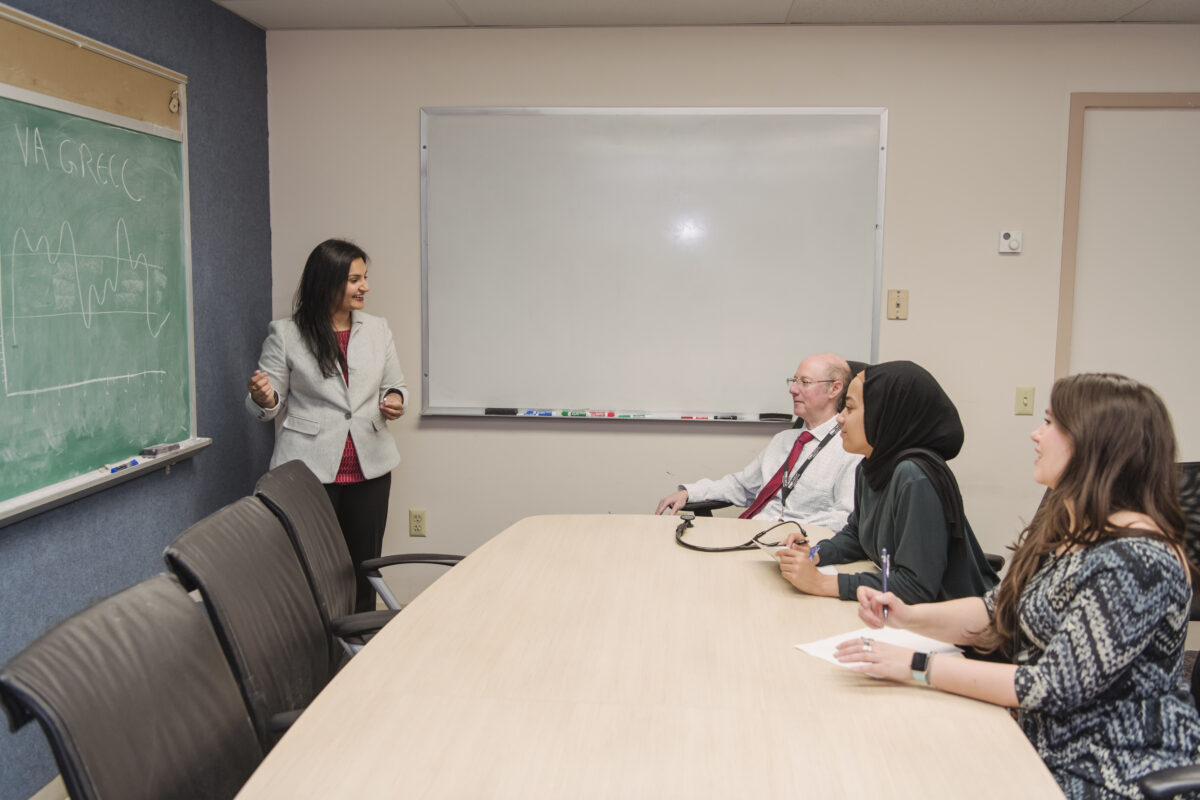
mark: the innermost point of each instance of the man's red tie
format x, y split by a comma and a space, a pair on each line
772, 486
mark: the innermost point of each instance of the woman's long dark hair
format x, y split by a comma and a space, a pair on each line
322, 286
1123, 459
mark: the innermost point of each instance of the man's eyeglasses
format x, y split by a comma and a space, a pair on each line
804, 382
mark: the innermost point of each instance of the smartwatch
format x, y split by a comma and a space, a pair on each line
921, 665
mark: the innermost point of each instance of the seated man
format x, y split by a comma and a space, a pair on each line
804, 474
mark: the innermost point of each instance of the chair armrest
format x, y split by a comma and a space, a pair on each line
353, 626
376, 564
283, 720
704, 508
1170, 782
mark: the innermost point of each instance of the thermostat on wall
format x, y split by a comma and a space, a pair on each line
1010, 241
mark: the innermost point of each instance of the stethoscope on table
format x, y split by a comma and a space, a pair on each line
754, 542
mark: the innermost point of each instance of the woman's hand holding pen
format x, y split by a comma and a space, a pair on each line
392, 406
261, 391
798, 566
798, 539
871, 603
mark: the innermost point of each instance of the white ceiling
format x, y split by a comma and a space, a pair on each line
299, 14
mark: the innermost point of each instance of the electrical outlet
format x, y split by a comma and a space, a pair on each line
416, 522
1024, 403
897, 307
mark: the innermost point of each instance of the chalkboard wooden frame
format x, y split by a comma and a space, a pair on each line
480, 283
122, 91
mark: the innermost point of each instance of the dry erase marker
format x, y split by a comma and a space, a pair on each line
111, 468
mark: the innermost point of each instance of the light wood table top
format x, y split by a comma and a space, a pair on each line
590, 656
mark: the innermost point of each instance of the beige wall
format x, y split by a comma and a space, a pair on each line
977, 143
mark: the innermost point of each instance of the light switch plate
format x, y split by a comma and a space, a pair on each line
1024, 402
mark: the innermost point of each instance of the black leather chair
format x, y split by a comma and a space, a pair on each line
241, 561
297, 498
136, 699
1175, 781
1189, 498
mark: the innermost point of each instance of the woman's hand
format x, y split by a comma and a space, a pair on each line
261, 391
799, 570
392, 406
871, 603
796, 537
877, 659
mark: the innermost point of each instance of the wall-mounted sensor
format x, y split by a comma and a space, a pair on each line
1010, 241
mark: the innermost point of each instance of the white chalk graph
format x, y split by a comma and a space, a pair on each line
41, 280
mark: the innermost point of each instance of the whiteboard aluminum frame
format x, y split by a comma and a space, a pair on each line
427, 112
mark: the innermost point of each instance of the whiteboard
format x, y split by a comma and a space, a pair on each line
663, 261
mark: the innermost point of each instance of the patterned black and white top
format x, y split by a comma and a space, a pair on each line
1098, 666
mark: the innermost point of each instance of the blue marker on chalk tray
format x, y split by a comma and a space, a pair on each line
121, 465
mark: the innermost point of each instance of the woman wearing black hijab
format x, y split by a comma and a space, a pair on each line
906, 500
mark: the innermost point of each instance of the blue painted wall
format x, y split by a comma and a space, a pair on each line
56, 563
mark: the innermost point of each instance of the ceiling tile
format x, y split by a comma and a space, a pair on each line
301, 14
918, 12
1166, 11
624, 12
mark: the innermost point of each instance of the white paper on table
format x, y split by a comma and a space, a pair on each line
773, 553
823, 649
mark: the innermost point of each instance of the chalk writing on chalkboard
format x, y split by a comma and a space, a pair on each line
94, 356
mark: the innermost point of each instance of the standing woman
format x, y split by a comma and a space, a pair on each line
906, 500
1094, 609
331, 370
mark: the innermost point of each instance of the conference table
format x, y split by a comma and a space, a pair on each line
591, 656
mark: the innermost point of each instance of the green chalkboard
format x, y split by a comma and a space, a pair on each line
94, 328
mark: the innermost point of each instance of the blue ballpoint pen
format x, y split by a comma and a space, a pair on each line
887, 569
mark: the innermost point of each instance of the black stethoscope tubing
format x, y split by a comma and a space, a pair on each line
754, 542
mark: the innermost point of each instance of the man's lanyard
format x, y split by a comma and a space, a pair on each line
790, 481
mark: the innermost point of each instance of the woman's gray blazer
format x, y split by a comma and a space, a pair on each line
319, 411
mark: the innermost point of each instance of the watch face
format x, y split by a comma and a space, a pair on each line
918, 661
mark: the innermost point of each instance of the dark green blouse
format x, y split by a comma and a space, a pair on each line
906, 518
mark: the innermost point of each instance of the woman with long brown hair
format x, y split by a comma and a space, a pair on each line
1094, 608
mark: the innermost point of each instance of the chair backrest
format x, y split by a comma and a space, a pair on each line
1189, 498
247, 572
300, 502
136, 699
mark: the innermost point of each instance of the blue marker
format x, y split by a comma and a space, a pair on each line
123, 465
